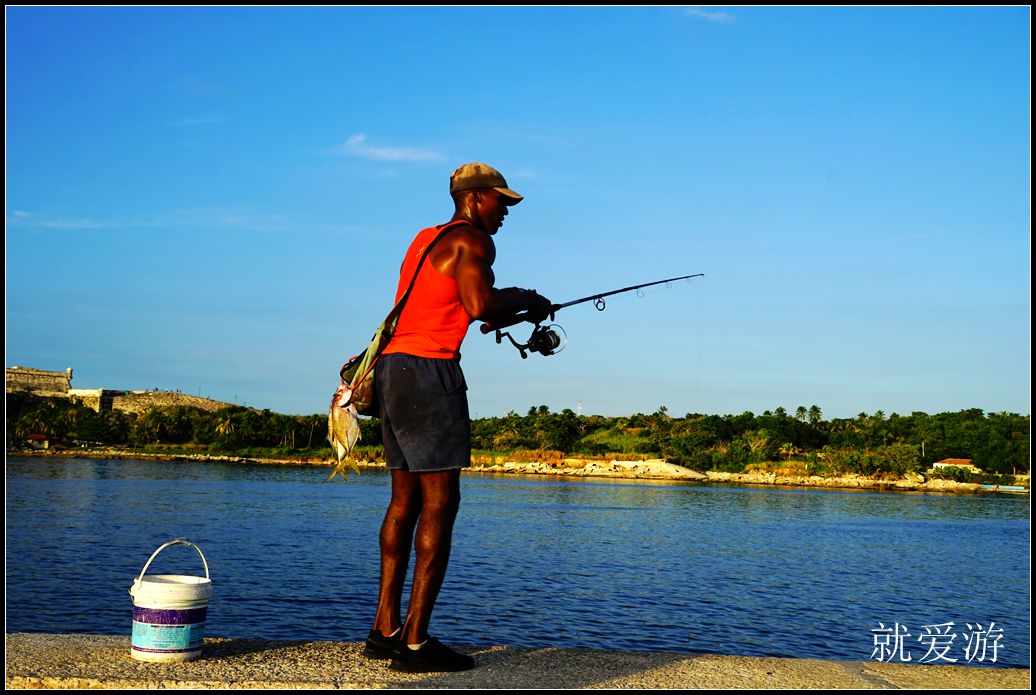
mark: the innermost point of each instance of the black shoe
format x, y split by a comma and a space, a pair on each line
433, 656
379, 646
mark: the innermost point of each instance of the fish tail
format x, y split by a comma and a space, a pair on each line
340, 469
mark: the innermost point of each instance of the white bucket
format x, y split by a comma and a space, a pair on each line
169, 612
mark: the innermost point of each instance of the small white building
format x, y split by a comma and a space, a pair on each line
38, 441
957, 463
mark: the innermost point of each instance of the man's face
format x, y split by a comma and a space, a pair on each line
491, 209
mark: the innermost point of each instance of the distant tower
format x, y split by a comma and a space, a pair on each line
579, 408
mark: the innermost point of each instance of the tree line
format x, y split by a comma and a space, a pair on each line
867, 444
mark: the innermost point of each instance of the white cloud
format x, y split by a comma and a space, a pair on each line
28, 219
717, 17
174, 219
357, 146
190, 218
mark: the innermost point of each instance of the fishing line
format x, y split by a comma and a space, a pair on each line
550, 340
701, 322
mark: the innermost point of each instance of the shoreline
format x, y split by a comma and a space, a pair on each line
652, 469
52, 661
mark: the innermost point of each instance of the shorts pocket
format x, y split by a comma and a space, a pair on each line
451, 377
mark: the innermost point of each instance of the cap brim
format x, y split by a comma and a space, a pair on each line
512, 197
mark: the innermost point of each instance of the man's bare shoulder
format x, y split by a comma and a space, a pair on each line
463, 244
466, 239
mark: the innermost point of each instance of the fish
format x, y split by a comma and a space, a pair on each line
343, 430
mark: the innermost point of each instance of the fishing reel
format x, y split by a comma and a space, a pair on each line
546, 340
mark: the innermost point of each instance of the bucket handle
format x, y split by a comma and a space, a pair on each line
178, 541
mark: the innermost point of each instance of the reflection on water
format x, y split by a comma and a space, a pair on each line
536, 561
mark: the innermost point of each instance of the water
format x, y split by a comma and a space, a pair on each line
536, 561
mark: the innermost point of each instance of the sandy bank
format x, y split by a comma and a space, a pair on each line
653, 469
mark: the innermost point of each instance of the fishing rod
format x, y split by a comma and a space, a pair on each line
552, 339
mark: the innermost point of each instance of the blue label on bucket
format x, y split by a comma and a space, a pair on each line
169, 616
148, 637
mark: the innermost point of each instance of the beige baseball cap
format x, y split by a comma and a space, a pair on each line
479, 175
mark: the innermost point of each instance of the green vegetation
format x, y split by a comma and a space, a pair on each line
179, 429
873, 445
963, 475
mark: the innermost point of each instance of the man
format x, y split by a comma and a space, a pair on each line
424, 410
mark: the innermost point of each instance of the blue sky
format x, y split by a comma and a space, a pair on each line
217, 199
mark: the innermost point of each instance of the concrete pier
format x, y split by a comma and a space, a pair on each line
93, 661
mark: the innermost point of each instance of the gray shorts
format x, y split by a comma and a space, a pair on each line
423, 406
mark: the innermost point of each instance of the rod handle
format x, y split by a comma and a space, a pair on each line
512, 321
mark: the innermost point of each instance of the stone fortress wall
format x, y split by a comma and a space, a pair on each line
59, 385
39, 381
141, 401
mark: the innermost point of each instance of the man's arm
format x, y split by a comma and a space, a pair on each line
473, 271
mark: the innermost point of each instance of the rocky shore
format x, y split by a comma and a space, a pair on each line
911, 482
51, 661
658, 469
652, 469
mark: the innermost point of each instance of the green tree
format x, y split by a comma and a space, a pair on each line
148, 427
898, 459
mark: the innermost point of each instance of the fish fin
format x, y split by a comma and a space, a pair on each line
340, 469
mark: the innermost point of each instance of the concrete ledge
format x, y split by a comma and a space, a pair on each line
93, 661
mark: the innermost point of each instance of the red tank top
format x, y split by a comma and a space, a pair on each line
433, 322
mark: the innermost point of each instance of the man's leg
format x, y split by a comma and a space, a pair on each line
397, 533
440, 500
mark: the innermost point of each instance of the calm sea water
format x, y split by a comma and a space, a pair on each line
536, 561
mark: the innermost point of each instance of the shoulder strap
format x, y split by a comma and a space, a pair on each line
388, 327
398, 308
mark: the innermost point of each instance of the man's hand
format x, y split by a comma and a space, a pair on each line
539, 307
513, 291
534, 307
